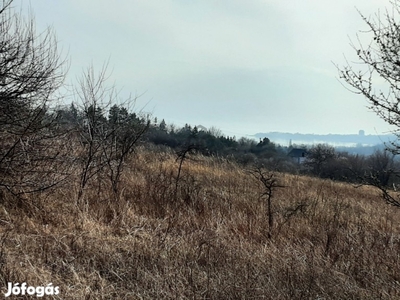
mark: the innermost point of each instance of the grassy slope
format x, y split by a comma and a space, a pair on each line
208, 240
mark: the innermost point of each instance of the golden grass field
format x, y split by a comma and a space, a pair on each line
203, 238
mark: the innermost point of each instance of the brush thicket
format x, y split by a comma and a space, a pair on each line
203, 237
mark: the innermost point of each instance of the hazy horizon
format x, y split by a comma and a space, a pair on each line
243, 67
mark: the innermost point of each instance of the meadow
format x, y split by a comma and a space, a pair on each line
202, 235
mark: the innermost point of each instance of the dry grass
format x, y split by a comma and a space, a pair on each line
206, 238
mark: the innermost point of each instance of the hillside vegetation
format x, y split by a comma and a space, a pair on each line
205, 236
102, 202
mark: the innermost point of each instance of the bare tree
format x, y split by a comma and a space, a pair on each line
269, 183
319, 157
108, 131
378, 67
124, 132
376, 76
94, 99
381, 166
31, 71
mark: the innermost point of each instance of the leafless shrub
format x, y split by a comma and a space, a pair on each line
31, 71
106, 141
181, 156
269, 183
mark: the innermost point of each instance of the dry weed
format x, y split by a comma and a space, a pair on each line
210, 241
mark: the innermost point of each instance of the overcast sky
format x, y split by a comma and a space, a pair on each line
243, 66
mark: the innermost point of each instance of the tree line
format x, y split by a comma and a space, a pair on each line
321, 160
41, 141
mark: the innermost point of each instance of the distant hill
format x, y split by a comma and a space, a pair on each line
349, 140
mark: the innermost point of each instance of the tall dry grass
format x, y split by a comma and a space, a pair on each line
203, 238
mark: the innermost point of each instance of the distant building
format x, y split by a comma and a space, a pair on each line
361, 133
298, 154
